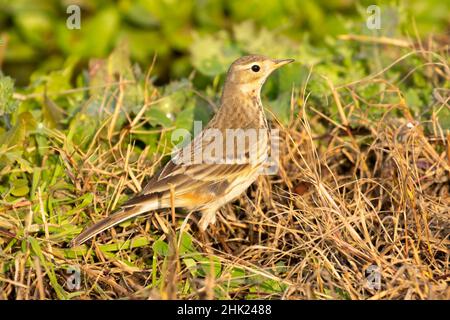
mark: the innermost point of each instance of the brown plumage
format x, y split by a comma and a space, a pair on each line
208, 185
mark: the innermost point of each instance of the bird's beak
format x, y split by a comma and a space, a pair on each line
282, 62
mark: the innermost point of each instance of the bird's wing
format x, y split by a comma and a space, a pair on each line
204, 180
184, 174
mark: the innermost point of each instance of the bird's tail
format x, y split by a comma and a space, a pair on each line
110, 221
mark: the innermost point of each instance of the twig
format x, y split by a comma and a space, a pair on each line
377, 40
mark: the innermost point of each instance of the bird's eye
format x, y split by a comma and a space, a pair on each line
255, 68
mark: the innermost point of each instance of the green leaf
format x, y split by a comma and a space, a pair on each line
212, 54
18, 133
237, 277
20, 187
7, 102
186, 243
35, 25
161, 248
51, 112
413, 100
176, 96
281, 107
208, 265
191, 264
157, 117
95, 37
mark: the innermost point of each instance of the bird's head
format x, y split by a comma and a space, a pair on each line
248, 73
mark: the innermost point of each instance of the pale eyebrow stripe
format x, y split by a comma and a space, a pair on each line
248, 65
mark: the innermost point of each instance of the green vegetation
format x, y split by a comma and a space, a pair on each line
86, 117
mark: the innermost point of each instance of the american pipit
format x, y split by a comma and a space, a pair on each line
232, 150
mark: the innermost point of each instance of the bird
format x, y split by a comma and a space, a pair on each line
209, 172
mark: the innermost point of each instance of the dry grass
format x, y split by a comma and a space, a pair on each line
376, 196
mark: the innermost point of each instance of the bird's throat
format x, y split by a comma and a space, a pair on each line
240, 109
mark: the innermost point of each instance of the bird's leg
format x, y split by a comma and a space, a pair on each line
208, 217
